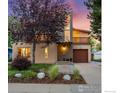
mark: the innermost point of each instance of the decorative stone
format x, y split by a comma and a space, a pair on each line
67, 77
18, 75
40, 75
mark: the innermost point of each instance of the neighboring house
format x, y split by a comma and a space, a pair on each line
9, 53
74, 48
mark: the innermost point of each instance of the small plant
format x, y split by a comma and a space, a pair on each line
11, 74
21, 63
76, 74
53, 72
28, 74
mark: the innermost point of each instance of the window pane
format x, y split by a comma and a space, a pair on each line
24, 52
46, 52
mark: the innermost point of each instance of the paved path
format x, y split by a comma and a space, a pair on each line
90, 71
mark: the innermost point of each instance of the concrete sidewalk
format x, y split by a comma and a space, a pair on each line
51, 88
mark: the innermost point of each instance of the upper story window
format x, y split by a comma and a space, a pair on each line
82, 40
24, 52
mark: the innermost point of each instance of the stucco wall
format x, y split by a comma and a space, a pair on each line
39, 53
84, 47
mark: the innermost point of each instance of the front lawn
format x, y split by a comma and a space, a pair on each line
34, 67
52, 75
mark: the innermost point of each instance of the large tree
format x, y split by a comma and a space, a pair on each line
13, 24
41, 21
94, 7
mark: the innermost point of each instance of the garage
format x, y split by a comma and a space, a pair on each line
80, 55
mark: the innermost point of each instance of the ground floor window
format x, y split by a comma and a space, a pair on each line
46, 52
24, 52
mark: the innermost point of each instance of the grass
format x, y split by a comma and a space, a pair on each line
30, 72
34, 67
43, 67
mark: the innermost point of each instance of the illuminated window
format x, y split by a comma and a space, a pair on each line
24, 52
46, 52
76, 39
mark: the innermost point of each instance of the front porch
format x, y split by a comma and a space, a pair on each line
64, 52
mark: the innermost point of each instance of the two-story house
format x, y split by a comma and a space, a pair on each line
74, 48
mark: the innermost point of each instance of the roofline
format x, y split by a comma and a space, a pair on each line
82, 30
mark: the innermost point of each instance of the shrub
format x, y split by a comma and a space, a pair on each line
28, 74
53, 72
9, 59
76, 74
21, 63
11, 74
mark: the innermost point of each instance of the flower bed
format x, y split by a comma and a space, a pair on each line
52, 75
46, 80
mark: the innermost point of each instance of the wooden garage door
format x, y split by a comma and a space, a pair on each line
80, 55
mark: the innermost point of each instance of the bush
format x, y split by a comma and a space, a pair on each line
53, 72
28, 74
76, 74
21, 63
9, 59
11, 74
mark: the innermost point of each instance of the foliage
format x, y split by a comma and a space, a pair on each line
11, 73
53, 72
40, 21
10, 40
13, 25
28, 74
9, 59
37, 67
98, 46
92, 42
21, 63
76, 74
94, 7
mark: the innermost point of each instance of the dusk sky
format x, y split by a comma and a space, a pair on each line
80, 12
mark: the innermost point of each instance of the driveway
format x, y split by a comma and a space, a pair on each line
90, 71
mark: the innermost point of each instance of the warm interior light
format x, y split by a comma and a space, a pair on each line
24, 52
64, 48
46, 52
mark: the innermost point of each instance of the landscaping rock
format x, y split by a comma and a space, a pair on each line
18, 75
67, 77
40, 75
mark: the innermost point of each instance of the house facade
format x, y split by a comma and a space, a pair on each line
73, 48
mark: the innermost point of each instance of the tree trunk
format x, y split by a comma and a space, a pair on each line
33, 52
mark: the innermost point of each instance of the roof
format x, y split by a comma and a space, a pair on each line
82, 30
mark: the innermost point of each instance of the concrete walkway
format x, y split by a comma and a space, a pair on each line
90, 71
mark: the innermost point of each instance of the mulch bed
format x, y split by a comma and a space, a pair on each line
46, 80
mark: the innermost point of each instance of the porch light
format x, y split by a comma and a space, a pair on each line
64, 48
